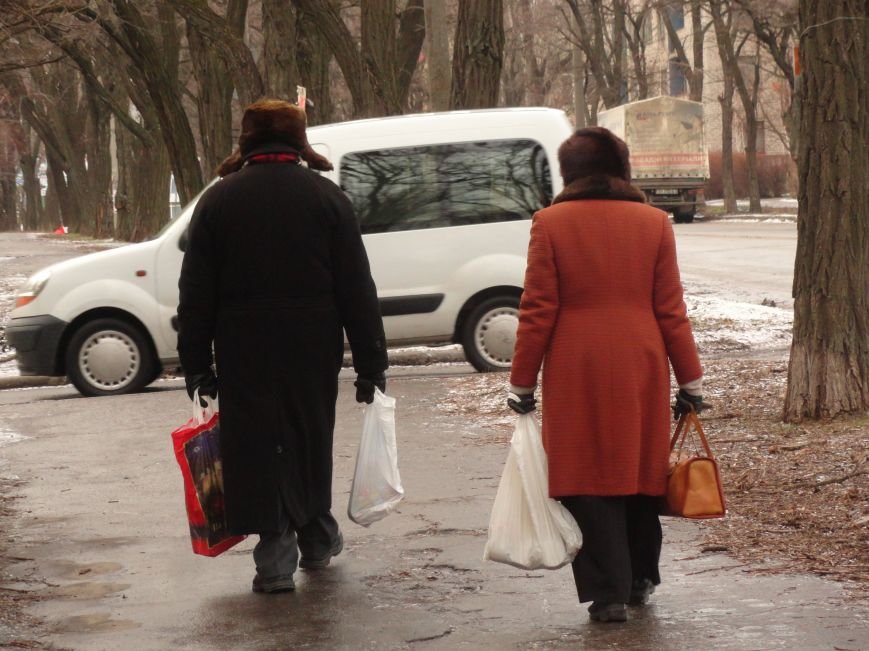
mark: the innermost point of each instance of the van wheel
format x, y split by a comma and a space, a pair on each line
489, 333
108, 357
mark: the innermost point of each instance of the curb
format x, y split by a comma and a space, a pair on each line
30, 381
399, 357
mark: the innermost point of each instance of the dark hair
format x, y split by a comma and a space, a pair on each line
273, 121
594, 151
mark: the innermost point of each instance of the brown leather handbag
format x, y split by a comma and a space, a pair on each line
694, 485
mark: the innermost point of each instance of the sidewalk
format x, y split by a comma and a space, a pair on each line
102, 525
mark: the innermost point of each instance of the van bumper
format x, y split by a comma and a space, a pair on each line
35, 340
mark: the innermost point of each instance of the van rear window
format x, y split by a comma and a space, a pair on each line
446, 185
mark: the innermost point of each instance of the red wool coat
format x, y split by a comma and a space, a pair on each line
602, 311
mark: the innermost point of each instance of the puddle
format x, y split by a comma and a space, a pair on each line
72, 570
87, 590
95, 623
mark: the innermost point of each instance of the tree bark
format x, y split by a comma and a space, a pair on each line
225, 36
280, 69
726, 101
478, 54
411, 36
580, 101
603, 55
32, 215
828, 374
135, 38
372, 71
379, 54
314, 57
730, 63
438, 55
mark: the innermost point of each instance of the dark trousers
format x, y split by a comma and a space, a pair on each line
621, 542
277, 553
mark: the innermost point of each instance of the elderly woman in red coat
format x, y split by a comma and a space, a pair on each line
603, 314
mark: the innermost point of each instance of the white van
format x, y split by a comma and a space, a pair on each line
444, 202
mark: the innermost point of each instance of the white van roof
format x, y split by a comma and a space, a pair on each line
542, 124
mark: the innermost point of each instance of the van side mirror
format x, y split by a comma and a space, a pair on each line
182, 241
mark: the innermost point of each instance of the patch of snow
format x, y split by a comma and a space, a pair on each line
772, 202
720, 323
8, 436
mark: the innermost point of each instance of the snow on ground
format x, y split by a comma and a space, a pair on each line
776, 210
722, 324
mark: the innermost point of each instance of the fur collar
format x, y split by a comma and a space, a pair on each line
600, 186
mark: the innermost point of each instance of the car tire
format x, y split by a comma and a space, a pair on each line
489, 333
683, 216
108, 357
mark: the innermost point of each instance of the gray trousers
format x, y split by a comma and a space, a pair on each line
277, 553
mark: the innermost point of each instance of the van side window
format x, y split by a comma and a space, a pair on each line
435, 186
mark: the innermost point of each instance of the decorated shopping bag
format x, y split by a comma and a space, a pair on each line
197, 449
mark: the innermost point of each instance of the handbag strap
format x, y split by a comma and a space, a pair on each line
682, 429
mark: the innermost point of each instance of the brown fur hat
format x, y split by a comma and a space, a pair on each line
273, 121
594, 151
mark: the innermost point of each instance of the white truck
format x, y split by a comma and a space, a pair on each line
668, 150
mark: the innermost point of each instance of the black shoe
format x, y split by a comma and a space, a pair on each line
605, 612
273, 584
309, 563
641, 590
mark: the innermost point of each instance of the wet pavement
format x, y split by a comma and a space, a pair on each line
102, 537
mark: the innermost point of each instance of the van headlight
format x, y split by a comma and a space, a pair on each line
34, 285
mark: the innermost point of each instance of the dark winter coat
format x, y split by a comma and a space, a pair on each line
603, 312
274, 273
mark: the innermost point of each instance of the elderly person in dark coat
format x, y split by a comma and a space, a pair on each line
273, 276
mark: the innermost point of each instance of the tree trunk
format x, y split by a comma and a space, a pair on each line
314, 58
751, 143
534, 72
11, 146
580, 102
828, 373
213, 100
379, 54
143, 187
726, 101
280, 69
374, 72
698, 37
32, 216
478, 54
411, 36
438, 55
136, 39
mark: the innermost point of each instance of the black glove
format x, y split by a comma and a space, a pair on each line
365, 385
205, 382
521, 403
686, 402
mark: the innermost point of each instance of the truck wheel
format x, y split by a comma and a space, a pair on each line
108, 357
489, 333
683, 215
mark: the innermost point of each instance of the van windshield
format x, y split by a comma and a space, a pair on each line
454, 184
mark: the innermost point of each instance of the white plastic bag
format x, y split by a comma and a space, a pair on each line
528, 529
376, 489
